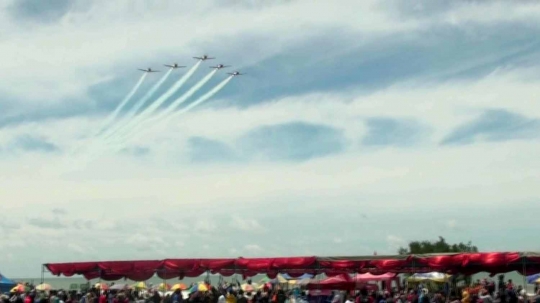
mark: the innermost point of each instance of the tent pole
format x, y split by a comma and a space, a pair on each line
524, 274
42, 273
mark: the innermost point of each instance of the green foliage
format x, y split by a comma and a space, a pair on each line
439, 246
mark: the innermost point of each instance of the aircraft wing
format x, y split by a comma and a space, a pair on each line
167, 65
199, 58
144, 70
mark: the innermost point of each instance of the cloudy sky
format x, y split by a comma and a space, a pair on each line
358, 126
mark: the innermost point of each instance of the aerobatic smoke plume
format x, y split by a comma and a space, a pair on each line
147, 112
110, 119
137, 107
171, 108
195, 103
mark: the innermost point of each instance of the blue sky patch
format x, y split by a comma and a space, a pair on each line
495, 125
295, 141
33, 144
392, 132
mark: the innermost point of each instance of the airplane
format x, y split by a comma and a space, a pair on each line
174, 65
219, 66
235, 74
204, 57
149, 70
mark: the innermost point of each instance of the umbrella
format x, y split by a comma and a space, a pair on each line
101, 286
119, 287
533, 279
199, 287
305, 281
163, 287
180, 286
44, 287
279, 279
19, 288
139, 285
249, 287
263, 285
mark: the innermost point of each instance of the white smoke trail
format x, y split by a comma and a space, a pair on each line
137, 107
171, 107
156, 104
114, 114
195, 103
185, 96
200, 100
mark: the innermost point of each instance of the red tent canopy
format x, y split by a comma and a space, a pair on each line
343, 281
467, 263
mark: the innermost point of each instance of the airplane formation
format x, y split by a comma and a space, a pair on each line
202, 58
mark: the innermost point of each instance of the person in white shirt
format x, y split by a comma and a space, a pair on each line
221, 298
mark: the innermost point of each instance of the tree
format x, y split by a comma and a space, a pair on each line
439, 246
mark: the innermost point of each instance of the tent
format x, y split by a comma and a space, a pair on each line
430, 276
6, 284
304, 276
532, 279
370, 277
342, 281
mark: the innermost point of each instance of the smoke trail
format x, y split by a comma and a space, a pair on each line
113, 115
137, 106
203, 98
174, 105
185, 96
195, 103
156, 104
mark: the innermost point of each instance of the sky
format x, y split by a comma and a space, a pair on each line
358, 126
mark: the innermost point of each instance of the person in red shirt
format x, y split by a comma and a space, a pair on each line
103, 297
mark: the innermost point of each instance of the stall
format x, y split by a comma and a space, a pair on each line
6, 284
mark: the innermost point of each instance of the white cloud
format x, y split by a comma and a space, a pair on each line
253, 249
205, 225
395, 242
452, 224
246, 224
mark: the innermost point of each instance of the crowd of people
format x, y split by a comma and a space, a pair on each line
481, 292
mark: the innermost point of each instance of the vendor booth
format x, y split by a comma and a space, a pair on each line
6, 284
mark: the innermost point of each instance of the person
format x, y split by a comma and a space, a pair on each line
240, 298
177, 296
337, 297
221, 298
485, 296
511, 294
156, 298
536, 299
349, 299
465, 297
121, 298
230, 297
